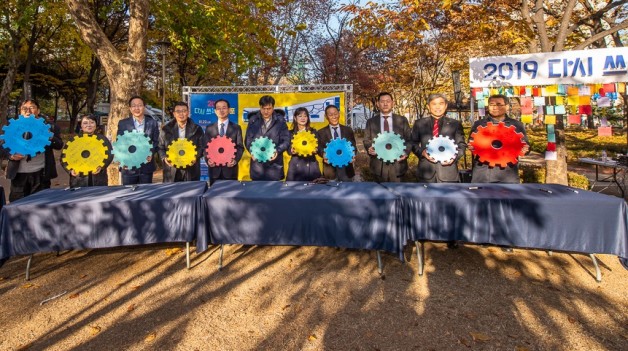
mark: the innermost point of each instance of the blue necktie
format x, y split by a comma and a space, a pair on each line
335, 132
222, 129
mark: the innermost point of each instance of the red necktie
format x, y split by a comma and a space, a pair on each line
386, 125
435, 129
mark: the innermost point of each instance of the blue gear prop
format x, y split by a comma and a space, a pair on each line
36, 140
442, 148
131, 149
262, 149
389, 146
339, 152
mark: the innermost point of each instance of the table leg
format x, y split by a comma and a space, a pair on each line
615, 172
549, 252
187, 254
380, 267
598, 273
220, 258
420, 255
28, 267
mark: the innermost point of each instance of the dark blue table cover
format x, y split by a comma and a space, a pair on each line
97, 217
350, 215
540, 216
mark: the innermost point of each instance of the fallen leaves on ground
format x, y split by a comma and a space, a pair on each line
150, 337
94, 329
135, 287
173, 251
312, 337
73, 296
130, 308
521, 348
465, 342
28, 285
479, 336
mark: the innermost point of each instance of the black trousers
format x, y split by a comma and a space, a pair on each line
25, 184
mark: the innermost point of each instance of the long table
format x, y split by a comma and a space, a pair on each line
538, 216
349, 215
99, 217
617, 176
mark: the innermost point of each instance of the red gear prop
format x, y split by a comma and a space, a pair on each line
497, 145
221, 150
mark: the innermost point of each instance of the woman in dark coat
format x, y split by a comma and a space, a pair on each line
302, 168
89, 126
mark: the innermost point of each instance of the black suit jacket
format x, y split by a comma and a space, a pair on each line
169, 133
427, 171
324, 137
277, 132
373, 128
151, 130
233, 132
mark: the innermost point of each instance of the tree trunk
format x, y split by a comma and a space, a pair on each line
9, 79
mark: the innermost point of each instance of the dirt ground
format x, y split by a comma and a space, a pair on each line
309, 298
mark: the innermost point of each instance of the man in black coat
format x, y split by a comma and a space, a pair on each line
272, 125
335, 130
234, 132
385, 120
424, 129
182, 127
29, 175
144, 124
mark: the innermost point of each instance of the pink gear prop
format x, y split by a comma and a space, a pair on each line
221, 150
497, 145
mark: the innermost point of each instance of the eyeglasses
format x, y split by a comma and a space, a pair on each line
27, 109
496, 105
180, 111
137, 105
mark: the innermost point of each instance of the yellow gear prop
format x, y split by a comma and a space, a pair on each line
181, 153
304, 143
84, 154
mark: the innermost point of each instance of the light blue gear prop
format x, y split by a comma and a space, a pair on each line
442, 148
131, 149
27, 136
339, 152
262, 149
389, 146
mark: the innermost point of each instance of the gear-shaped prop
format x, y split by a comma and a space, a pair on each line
339, 152
132, 149
221, 150
85, 154
304, 143
27, 136
262, 149
181, 153
497, 144
389, 146
442, 148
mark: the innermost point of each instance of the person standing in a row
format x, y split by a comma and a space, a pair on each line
335, 130
223, 127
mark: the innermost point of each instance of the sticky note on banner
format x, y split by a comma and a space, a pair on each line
540, 111
526, 119
621, 88
573, 100
550, 129
572, 91
479, 95
585, 109
605, 131
551, 155
609, 88
604, 102
573, 119
560, 100
510, 92
526, 105
481, 103
550, 90
549, 110
539, 101
551, 146
494, 91
584, 90
562, 89
522, 91
481, 112
585, 100
550, 119
536, 91
560, 110
551, 138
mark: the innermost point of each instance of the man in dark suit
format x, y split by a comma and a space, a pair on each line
29, 175
335, 130
181, 127
383, 121
144, 124
498, 108
424, 129
233, 132
272, 125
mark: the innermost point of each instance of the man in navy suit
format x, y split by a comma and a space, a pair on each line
272, 125
335, 130
223, 127
144, 124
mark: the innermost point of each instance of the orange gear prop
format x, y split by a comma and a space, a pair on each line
497, 145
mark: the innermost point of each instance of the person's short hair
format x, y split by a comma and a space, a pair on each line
225, 101
384, 93
136, 97
330, 107
435, 96
500, 96
297, 112
181, 103
267, 100
32, 101
89, 116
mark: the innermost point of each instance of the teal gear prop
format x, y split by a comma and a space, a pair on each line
389, 146
262, 149
442, 148
339, 152
131, 149
182, 153
85, 154
304, 143
26, 136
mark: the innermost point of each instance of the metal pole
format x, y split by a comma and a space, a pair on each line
163, 88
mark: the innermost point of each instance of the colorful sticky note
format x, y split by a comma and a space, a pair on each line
551, 138
526, 105
481, 103
540, 111
539, 101
522, 91
621, 88
584, 90
573, 119
585, 100
550, 129
550, 119
562, 89
560, 100
549, 110
550, 90
572, 91
605, 131
479, 95
551, 155
526, 118
573, 100
585, 109
560, 110
536, 91
604, 102
551, 146
481, 112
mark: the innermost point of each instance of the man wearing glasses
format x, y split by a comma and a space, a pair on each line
498, 107
29, 175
